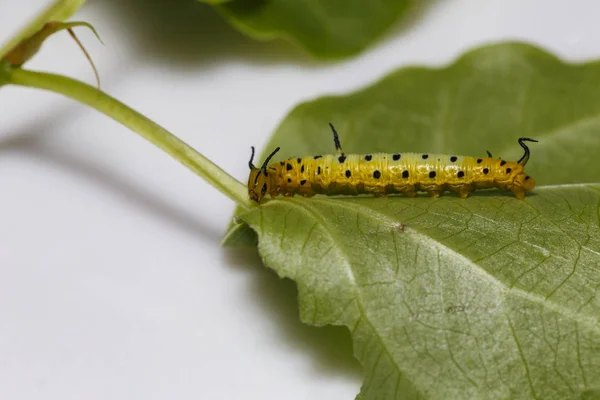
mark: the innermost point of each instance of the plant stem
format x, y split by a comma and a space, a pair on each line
141, 125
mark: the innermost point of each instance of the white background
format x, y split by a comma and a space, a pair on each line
112, 281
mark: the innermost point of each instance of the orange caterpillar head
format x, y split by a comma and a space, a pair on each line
515, 179
524, 181
260, 182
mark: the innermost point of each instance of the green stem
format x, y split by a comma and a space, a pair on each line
139, 124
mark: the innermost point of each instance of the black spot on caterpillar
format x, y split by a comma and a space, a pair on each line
376, 174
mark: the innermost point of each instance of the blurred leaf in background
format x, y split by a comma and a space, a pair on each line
487, 297
325, 28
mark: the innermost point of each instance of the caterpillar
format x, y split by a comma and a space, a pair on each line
380, 174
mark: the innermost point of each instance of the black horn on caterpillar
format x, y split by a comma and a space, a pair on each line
263, 168
523, 160
336, 140
250, 165
266, 163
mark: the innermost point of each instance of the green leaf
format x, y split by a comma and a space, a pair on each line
325, 28
59, 10
29, 47
487, 297
240, 234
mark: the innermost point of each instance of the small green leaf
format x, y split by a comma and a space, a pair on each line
60, 10
488, 297
325, 28
28, 47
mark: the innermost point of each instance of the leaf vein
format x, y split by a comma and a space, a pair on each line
522, 356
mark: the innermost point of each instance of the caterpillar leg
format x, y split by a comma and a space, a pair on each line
462, 190
432, 189
407, 190
463, 194
376, 191
519, 193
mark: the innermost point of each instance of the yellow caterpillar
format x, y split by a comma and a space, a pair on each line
382, 173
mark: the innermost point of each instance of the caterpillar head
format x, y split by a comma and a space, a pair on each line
518, 181
513, 176
259, 182
524, 181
